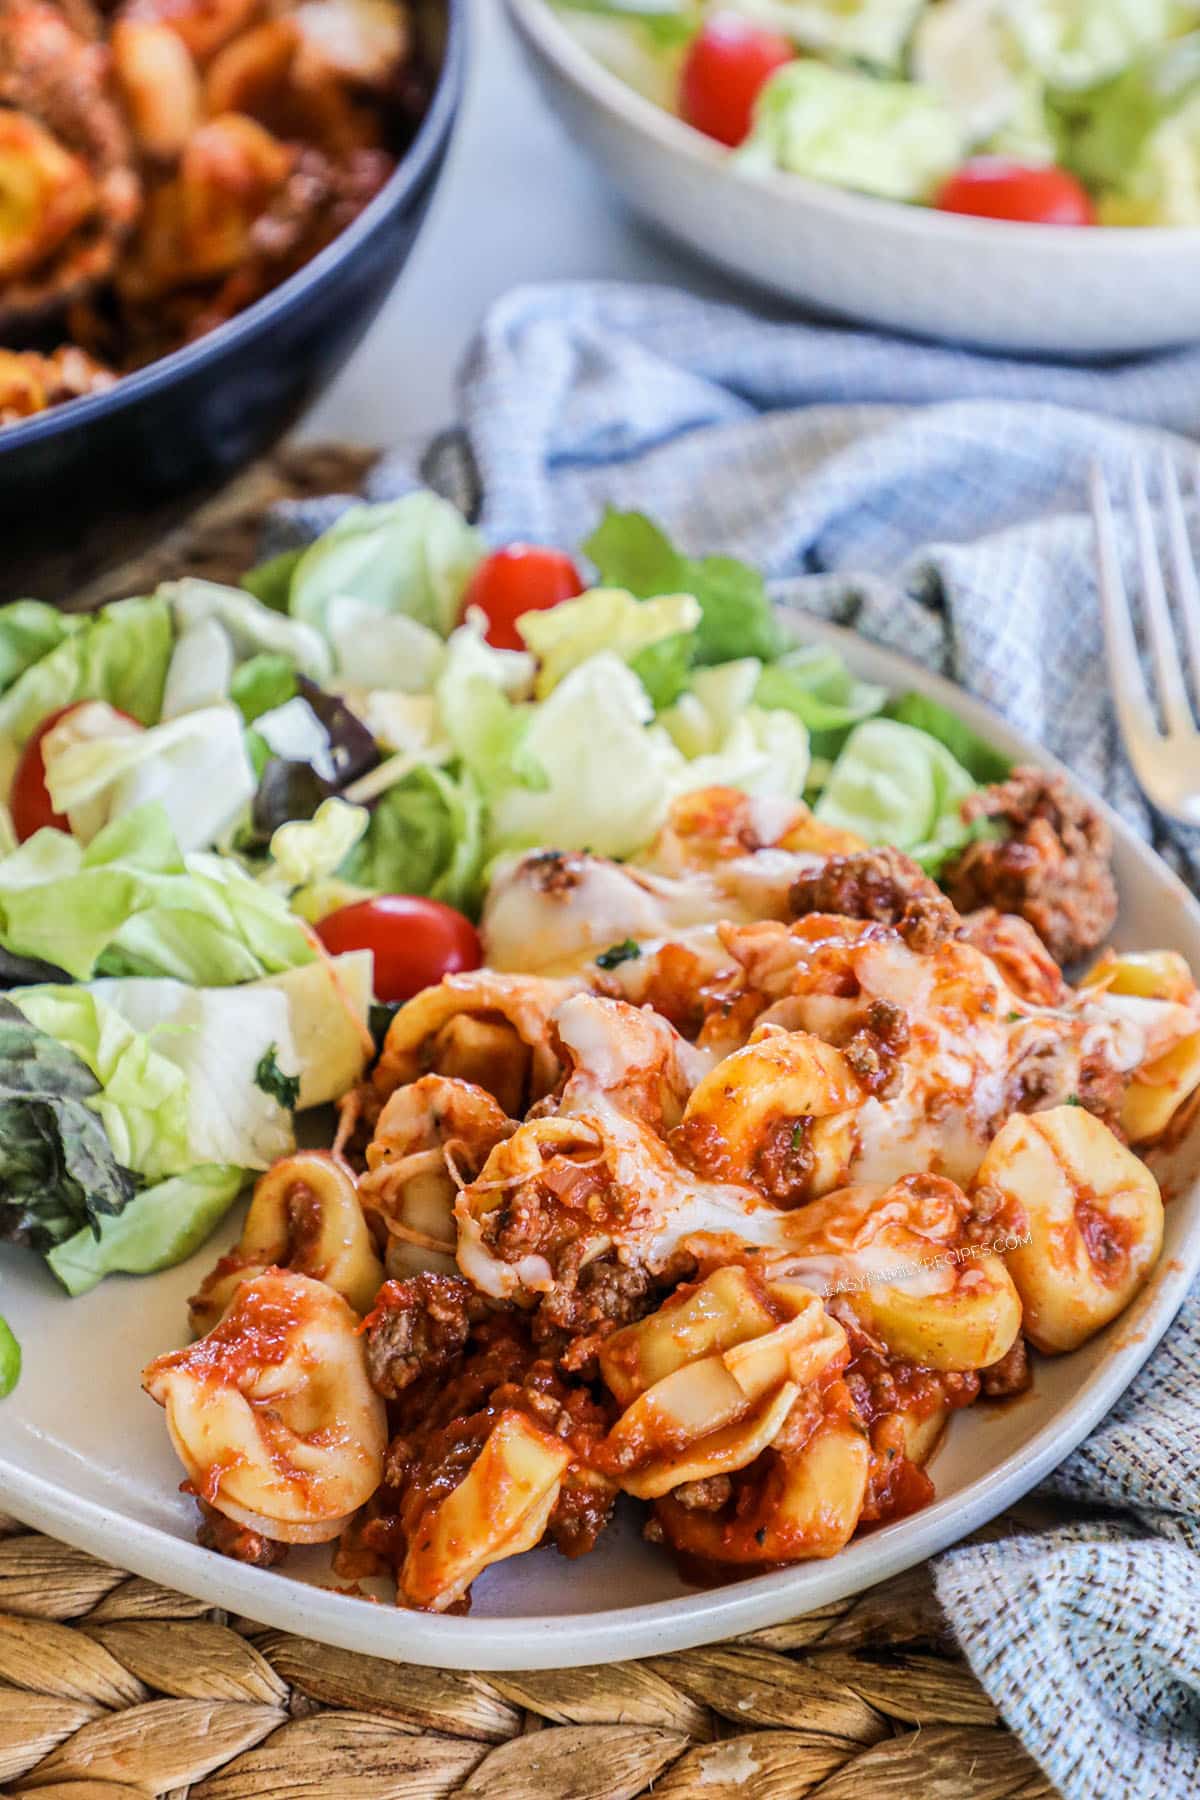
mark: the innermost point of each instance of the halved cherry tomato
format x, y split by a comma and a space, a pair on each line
993, 188
523, 578
29, 800
416, 941
727, 66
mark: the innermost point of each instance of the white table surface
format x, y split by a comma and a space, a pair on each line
517, 202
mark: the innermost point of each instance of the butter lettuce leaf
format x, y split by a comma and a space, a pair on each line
425, 836
119, 654
58, 1171
29, 630
133, 903
142, 1097
563, 636
893, 784
158, 1228
736, 616
814, 682
413, 556
895, 139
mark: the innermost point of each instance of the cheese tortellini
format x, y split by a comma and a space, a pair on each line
1088, 1218
272, 1414
305, 1215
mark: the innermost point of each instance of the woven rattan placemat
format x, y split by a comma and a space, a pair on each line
112, 1688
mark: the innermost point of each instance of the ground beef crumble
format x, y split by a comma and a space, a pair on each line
419, 1328
228, 1538
882, 885
1054, 868
1011, 1375
876, 1046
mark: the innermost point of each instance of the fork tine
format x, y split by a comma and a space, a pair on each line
1172, 689
1183, 563
1124, 668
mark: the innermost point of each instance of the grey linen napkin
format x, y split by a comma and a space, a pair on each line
934, 500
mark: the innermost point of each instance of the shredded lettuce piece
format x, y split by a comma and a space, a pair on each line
10, 1359
194, 766
1077, 43
308, 850
251, 626
270, 582
1113, 133
730, 742
475, 696
159, 1227
606, 779
142, 1102
969, 53
29, 630
426, 836
263, 683
132, 901
814, 682
736, 616
891, 138
874, 32
641, 41
382, 650
200, 672
980, 759
893, 784
565, 635
413, 556
119, 654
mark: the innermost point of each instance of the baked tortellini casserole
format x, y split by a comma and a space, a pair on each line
735, 1172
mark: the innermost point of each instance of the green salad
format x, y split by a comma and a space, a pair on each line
208, 786
1047, 111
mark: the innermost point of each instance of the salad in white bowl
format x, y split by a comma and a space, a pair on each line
1057, 112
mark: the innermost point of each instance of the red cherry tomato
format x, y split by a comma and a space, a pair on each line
416, 941
992, 188
29, 801
523, 578
727, 65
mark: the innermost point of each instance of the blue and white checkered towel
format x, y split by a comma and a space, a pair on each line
935, 500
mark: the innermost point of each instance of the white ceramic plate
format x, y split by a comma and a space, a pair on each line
84, 1454
1022, 288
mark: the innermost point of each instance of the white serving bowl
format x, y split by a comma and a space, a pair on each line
1038, 289
85, 1455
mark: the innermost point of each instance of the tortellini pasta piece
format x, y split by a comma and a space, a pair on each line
427, 1033
780, 1079
500, 1508
305, 1215
272, 1414
431, 1136
708, 1381
790, 1506
1158, 1090
1089, 1215
1147, 974
900, 1260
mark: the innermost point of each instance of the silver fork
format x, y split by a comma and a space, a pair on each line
1166, 759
